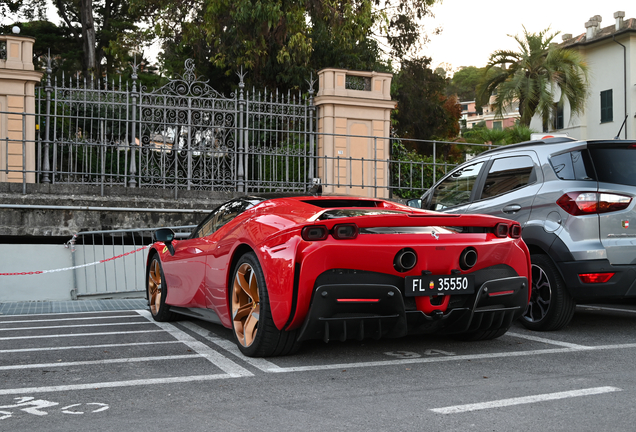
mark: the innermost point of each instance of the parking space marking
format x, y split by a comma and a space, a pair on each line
548, 341
216, 358
94, 314
74, 326
18, 350
269, 367
113, 384
66, 319
524, 400
100, 362
259, 363
79, 335
595, 308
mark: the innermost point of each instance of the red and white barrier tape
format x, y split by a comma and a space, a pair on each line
75, 267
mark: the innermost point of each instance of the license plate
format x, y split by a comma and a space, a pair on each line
431, 285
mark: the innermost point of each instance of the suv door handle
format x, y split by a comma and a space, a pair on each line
512, 208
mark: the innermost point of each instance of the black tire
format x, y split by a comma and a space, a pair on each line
255, 333
551, 307
156, 291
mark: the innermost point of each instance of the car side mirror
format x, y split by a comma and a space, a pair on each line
415, 203
166, 236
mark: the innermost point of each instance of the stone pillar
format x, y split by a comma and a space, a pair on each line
354, 120
17, 108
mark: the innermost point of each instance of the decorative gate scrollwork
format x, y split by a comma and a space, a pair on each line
188, 134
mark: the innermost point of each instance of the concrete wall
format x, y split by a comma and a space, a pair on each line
63, 210
18, 258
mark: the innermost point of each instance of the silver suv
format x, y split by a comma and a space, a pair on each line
574, 200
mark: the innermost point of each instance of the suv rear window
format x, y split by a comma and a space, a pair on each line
615, 165
574, 165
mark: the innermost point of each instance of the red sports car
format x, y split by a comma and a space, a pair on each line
283, 270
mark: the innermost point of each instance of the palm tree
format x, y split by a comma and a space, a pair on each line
532, 76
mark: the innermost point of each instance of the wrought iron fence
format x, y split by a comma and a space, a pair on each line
186, 135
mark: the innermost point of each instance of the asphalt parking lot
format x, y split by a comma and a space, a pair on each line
120, 370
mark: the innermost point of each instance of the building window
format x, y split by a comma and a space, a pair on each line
496, 125
607, 106
557, 119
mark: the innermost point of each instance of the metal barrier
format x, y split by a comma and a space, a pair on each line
122, 257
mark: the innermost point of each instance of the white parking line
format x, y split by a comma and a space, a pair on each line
67, 319
51, 314
524, 400
73, 326
259, 363
112, 384
78, 335
18, 350
100, 362
269, 367
594, 308
548, 341
220, 361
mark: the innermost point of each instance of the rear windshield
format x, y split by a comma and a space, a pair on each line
338, 203
615, 165
341, 213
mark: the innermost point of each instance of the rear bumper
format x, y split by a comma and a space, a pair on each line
621, 285
367, 310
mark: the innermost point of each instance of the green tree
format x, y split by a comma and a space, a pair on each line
423, 109
281, 42
106, 31
480, 134
532, 76
464, 83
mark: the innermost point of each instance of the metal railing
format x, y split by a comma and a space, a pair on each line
112, 263
277, 168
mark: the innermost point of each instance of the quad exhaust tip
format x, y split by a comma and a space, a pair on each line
405, 260
468, 258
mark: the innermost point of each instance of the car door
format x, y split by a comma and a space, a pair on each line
454, 192
185, 270
508, 187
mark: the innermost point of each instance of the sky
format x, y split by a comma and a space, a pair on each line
473, 29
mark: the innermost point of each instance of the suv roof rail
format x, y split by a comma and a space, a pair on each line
554, 140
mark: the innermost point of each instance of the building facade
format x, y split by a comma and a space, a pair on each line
610, 53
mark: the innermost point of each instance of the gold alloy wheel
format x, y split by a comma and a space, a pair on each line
154, 286
245, 304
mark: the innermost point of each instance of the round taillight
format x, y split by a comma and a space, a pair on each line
314, 233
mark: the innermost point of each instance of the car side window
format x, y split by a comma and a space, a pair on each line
508, 174
575, 165
222, 215
456, 188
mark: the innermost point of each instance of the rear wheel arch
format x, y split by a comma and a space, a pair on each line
551, 306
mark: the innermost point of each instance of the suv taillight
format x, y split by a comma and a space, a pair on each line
583, 203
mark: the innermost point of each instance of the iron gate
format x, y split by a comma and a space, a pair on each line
184, 135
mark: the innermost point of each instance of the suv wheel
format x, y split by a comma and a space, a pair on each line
551, 307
